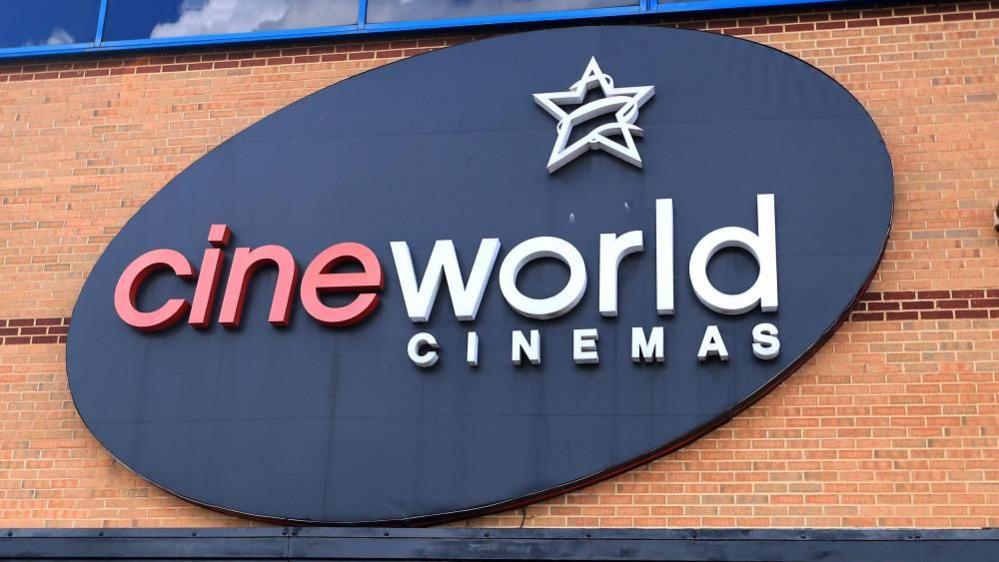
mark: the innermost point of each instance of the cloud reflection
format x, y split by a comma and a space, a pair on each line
211, 17
410, 10
59, 36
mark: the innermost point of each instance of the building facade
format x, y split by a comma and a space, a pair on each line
893, 423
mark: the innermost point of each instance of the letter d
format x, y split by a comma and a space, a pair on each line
762, 246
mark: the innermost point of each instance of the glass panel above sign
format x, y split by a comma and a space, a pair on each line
156, 19
382, 11
47, 27
48, 23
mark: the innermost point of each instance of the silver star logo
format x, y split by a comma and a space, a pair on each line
623, 102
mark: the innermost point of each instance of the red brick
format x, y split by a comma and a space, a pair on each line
933, 295
971, 314
867, 316
936, 314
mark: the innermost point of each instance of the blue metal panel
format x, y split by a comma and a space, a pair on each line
504, 18
362, 13
229, 38
362, 27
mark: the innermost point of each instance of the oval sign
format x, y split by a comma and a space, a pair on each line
636, 232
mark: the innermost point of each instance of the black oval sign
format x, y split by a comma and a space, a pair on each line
317, 404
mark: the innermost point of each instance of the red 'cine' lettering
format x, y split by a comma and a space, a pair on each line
319, 278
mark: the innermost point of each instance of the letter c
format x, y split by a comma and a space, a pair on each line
130, 281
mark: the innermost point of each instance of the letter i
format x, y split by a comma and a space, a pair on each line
208, 282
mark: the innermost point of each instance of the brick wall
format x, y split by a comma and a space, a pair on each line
893, 423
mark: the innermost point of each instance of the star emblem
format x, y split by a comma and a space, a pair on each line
623, 102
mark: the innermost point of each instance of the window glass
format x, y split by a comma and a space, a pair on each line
39, 23
410, 10
154, 19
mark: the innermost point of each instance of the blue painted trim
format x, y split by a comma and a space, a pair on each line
362, 13
19, 52
363, 27
100, 22
696, 5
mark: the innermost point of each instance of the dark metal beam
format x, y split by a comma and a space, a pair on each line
441, 544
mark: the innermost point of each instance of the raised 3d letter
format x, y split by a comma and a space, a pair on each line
130, 281
465, 297
318, 279
538, 248
245, 263
763, 247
